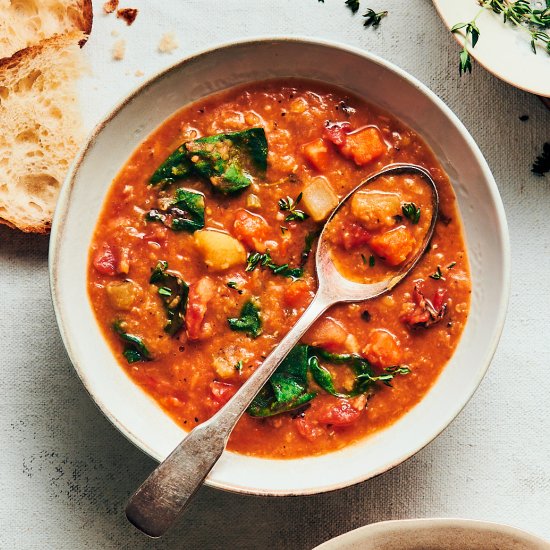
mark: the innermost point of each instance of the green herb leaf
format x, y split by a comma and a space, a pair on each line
227, 161
437, 275
353, 5
184, 213
287, 387
249, 320
256, 259
134, 350
290, 205
176, 167
372, 261
411, 212
173, 291
373, 19
233, 285
239, 366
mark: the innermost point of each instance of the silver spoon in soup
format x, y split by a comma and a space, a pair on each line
370, 242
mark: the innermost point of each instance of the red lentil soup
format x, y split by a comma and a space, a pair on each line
203, 257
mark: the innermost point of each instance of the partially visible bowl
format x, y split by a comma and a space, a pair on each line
502, 49
436, 534
137, 415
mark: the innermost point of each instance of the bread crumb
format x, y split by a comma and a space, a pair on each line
139, 73
168, 43
128, 14
114, 32
110, 6
119, 49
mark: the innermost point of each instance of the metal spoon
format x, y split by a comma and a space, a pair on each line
163, 496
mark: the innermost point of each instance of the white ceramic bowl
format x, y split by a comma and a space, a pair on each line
138, 416
436, 534
502, 49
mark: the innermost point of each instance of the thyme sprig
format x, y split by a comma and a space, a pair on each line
372, 18
518, 13
289, 205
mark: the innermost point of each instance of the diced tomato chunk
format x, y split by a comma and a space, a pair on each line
317, 153
382, 349
328, 334
354, 235
364, 146
337, 132
393, 246
426, 312
252, 229
105, 261
298, 294
200, 294
222, 392
342, 413
308, 429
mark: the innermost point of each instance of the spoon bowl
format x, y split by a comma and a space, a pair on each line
163, 496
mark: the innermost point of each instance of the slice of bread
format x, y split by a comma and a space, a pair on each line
41, 129
24, 23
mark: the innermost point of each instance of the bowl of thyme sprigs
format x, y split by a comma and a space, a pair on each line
510, 38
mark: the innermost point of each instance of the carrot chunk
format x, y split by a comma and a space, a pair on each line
393, 246
251, 229
364, 146
317, 152
382, 349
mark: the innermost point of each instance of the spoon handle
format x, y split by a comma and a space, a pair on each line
162, 497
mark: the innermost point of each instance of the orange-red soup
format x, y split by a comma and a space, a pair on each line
322, 142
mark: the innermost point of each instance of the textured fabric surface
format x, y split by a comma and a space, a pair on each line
65, 472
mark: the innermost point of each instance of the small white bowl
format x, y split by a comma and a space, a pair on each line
136, 414
503, 49
436, 534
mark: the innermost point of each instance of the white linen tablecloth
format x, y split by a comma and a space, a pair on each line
65, 472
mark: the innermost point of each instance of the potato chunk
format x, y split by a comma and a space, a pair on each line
393, 246
376, 209
122, 294
219, 250
319, 199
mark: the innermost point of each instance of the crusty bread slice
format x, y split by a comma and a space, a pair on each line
41, 129
25, 23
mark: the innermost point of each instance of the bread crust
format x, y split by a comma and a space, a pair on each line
87, 19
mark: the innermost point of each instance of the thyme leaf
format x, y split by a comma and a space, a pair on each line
372, 18
290, 205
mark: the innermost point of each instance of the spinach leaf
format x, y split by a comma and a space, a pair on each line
173, 291
265, 405
226, 160
364, 375
287, 387
249, 320
322, 376
134, 350
255, 259
185, 213
176, 167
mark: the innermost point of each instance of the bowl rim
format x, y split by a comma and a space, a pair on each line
412, 524
59, 221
